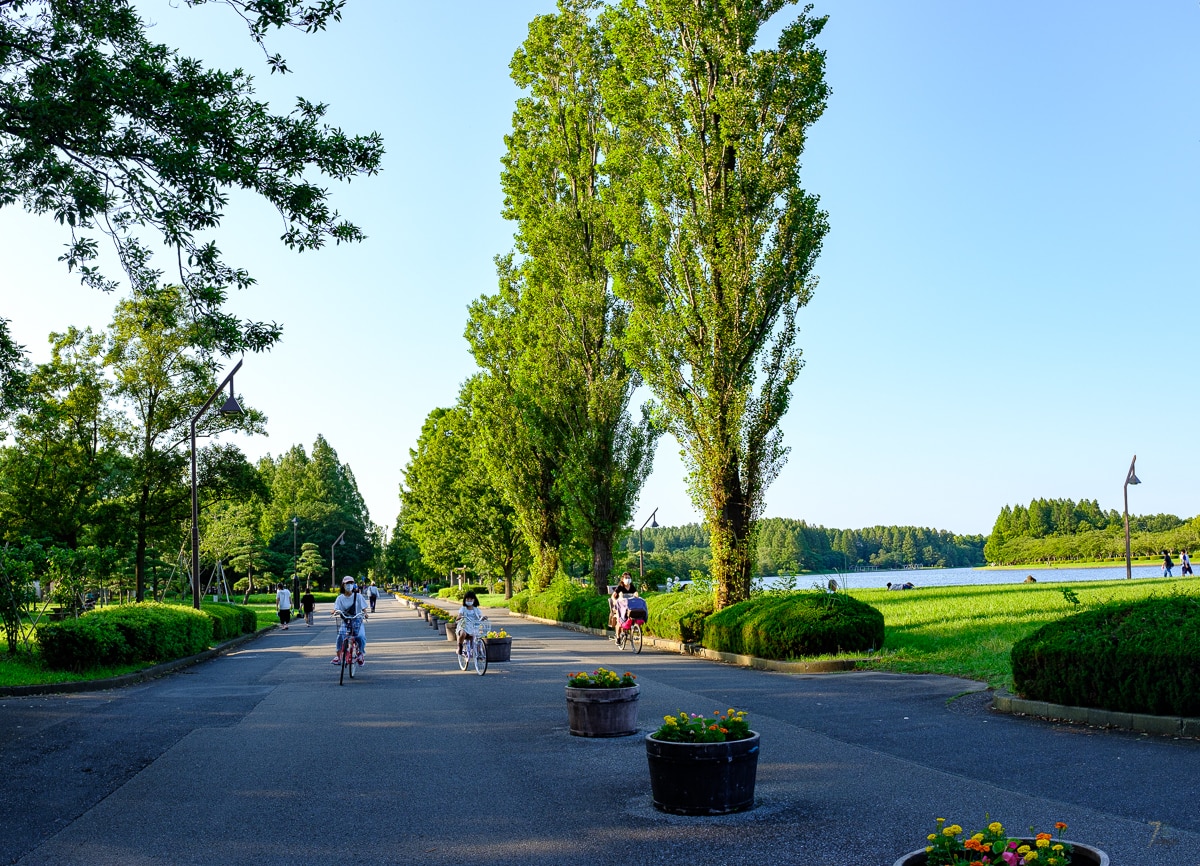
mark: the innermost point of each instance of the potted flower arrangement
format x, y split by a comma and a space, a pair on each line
950, 846
499, 646
602, 704
703, 765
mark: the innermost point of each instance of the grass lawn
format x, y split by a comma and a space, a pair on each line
968, 631
1066, 563
25, 669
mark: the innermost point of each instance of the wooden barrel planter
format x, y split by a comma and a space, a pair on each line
703, 778
1081, 855
602, 712
499, 649
451, 631
439, 624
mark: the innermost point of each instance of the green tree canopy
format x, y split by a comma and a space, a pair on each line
111, 133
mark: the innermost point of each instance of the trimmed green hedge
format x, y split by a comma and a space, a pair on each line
568, 602
519, 603
795, 625
1140, 657
458, 592
230, 620
129, 633
679, 615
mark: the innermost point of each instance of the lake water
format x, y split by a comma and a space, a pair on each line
967, 576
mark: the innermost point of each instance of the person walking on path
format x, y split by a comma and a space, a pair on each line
283, 605
373, 595
1167, 563
1185, 564
308, 602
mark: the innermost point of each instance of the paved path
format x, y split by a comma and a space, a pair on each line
209, 766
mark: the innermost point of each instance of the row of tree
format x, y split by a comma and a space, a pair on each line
662, 238
94, 475
1062, 529
785, 547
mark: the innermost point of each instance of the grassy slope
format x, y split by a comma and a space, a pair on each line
968, 631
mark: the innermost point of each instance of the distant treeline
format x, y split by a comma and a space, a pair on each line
1065, 530
786, 546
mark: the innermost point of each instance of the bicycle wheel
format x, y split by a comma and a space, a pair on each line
479, 656
463, 661
635, 638
351, 655
345, 655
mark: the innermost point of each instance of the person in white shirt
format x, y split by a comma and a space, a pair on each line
470, 618
283, 605
373, 595
351, 603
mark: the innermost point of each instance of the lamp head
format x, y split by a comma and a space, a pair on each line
1132, 479
653, 522
231, 407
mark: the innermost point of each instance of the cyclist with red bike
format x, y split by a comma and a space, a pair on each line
353, 608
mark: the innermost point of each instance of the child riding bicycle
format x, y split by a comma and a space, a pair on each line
469, 619
351, 604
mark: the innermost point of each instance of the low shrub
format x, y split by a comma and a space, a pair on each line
230, 620
794, 625
78, 644
128, 633
1135, 657
566, 601
519, 603
457, 592
679, 615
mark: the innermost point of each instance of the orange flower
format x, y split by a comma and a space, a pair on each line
1045, 836
1059, 825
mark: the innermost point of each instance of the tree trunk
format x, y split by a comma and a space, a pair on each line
139, 559
602, 561
730, 535
508, 578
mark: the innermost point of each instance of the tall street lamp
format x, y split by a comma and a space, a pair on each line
641, 551
230, 407
295, 564
1129, 479
332, 561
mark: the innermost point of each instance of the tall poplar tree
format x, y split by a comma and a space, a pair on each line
722, 238
568, 369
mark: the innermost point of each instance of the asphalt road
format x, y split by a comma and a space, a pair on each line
259, 757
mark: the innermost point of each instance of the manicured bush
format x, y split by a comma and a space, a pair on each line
519, 603
457, 592
128, 633
679, 615
78, 644
230, 620
1136, 657
794, 625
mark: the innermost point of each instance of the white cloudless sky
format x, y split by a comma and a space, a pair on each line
1007, 305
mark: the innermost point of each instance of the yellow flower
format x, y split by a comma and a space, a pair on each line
1043, 843
1056, 847
1031, 856
928, 848
1024, 849
996, 827
947, 831
941, 821
978, 837
955, 829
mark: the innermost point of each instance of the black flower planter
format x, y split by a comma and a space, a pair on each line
703, 778
1082, 855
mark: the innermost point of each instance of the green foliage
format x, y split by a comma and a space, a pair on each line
16, 588
1141, 657
128, 633
693, 728
519, 603
457, 592
111, 133
230, 620
601, 678
1065, 530
679, 615
719, 237
565, 601
796, 625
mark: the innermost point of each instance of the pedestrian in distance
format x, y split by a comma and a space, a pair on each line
283, 605
1185, 564
308, 602
373, 595
1167, 564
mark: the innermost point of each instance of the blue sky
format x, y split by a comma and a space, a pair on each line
1007, 304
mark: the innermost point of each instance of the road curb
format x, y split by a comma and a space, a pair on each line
1173, 726
681, 648
130, 679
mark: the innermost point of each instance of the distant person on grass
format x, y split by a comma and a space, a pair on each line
1185, 563
308, 602
1167, 564
283, 605
351, 603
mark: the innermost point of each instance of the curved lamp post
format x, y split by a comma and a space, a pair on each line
230, 407
641, 552
341, 539
1131, 478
